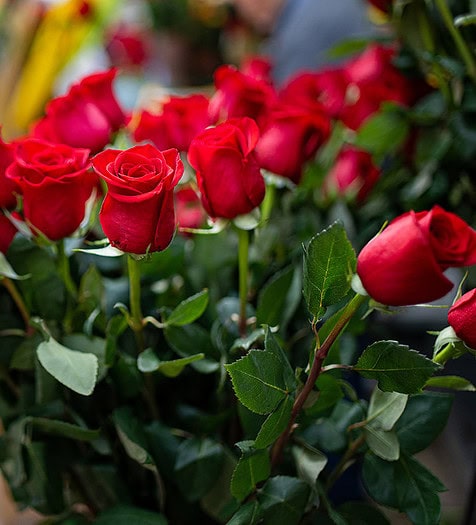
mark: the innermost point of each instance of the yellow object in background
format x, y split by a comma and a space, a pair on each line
63, 28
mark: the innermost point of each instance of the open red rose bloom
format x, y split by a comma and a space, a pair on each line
404, 264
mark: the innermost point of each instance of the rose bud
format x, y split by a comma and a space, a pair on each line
86, 117
404, 264
462, 318
137, 214
353, 174
180, 120
55, 183
290, 136
228, 174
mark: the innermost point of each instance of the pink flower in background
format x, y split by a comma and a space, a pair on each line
55, 183
353, 174
228, 173
180, 120
86, 117
404, 264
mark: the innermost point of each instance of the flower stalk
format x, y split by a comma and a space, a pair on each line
19, 302
321, 352
136, 318
243, 251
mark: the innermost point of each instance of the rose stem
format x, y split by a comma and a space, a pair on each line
64, 269
445, 355
136, 319
20, 304
268, 202
461, 45
320, 354
243, 247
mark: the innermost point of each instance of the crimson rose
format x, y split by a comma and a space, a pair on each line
353, 174
55, 182
228, 173
7, 232
189, 209
462, 317
180, 120
239, 95
290, 136
137, 214
404, 264
86, 117
8, 187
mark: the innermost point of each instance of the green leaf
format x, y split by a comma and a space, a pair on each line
218, 502
188, 340
76, 370
451, 382
395, 367
283, 500
127, 515
385, 408
310, 462
61, 428
248, 514
253, 466
275, 423
424, 419
271, 345
329, 263
357, 513
188, 310
258, 381
383, 443
328, 394
133, 438
198, 464
7, 271
115, 327
91, 345
404, 485
383, 132
272, 298
105, 251
148, 361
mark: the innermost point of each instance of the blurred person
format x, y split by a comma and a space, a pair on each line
299, 33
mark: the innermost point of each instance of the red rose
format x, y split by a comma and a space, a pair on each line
86, 117
8, 187
290, 136
239, 95
462, 317
373, 79
180, 120
137, 214
327, 87
55, 184
257, 67
353, 174
404, 264
189, 209
7, 232
228, 173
